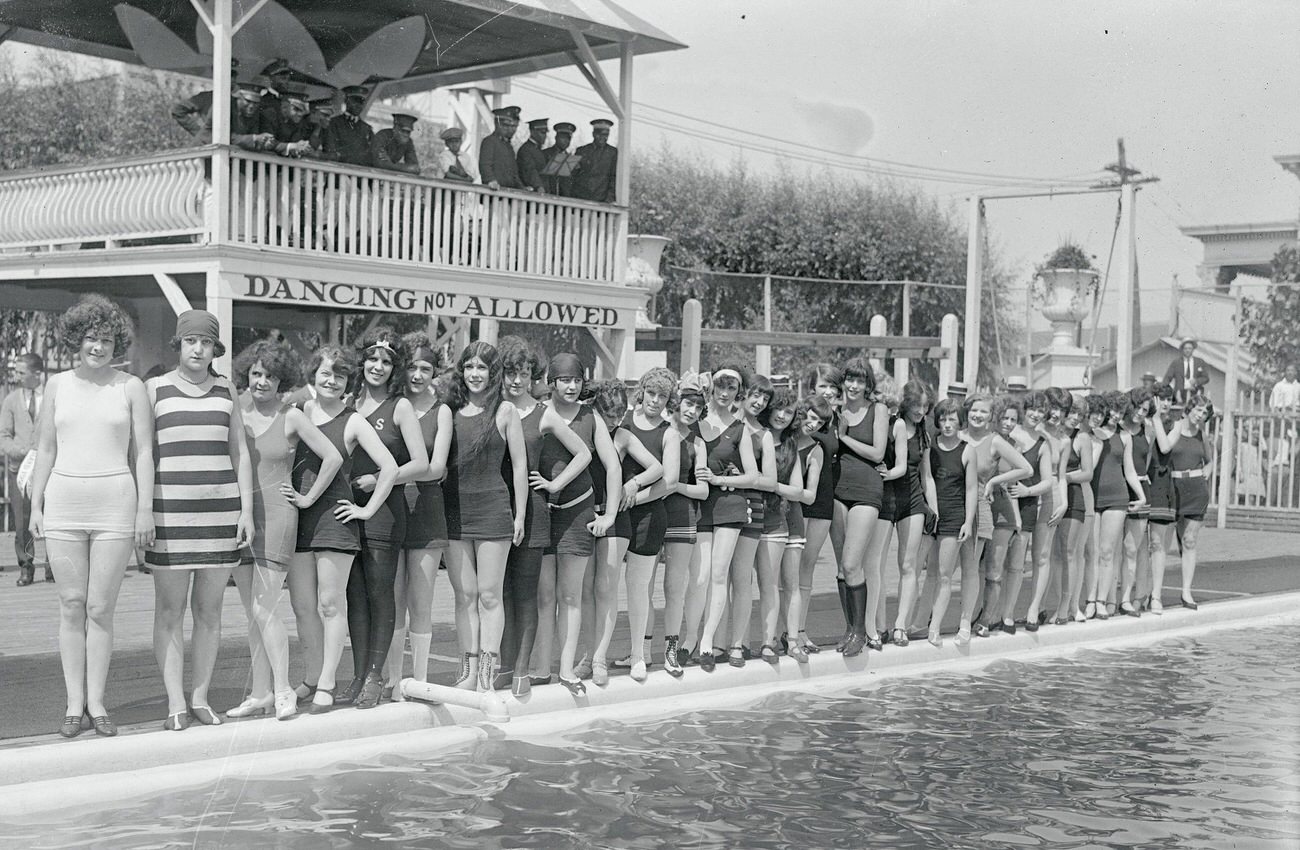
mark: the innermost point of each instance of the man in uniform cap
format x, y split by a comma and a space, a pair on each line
322, 110
496, 155
557, 175
453, 163
1149, 380
246, 132
530, 159
393, 149
293, 133
596, 177
348, 137
277, 75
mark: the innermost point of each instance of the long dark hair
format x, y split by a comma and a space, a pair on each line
458, 396
382, 336
782, 399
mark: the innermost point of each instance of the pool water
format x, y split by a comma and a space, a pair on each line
1188, 743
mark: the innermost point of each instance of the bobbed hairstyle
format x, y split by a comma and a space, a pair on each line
970, 402
1163, 391
658, 380
1003, 403
609, 398
1096, 404
218, 347
1037, 400
916, 396
783, 398
97, 315
949, 407
818, 405
383, 336
820, 373
343, 362
858, 367
760, 385
888, 391
417, 340
518, 356
1201, 401
1140, 396
1060, 399
740, 369
279, 361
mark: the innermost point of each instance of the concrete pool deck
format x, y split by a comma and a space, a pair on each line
94, 771
1236, 568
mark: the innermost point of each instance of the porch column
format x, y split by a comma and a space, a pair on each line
221, 303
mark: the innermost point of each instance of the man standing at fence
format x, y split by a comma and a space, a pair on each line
1286, 392
348, 137
530, 158
454, 163
557, 174
596, 178
393, 149
1187, 373
18, 416
496, 155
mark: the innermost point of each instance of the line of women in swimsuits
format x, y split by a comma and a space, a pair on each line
543, 491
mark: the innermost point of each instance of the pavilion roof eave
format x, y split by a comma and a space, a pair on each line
492, 71
39, 38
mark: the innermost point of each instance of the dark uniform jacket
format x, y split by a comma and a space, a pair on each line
347, 140
596, 178
496, 161
556, 185
387, 152
268, 114
195, 115
531, 161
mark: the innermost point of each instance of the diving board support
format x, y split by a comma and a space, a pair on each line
488, 702
171, 290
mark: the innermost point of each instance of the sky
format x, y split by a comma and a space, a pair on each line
1203, 93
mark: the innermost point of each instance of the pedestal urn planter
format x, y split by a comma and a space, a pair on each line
1067, 300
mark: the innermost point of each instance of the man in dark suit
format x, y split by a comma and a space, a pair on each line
1187, 374
393, 149
246, 132
496, 155
596, 178
348, 136
560, 162
19, 413
530, 158
274, 94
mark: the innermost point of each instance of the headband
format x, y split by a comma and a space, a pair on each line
384, 344
565, 365
425, 353
728, 373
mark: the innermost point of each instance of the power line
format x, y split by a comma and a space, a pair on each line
796, 155
1085, 177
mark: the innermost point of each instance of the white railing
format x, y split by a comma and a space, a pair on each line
139, 198
369, 214
1265, 461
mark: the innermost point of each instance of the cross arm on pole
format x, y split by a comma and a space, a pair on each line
589, 65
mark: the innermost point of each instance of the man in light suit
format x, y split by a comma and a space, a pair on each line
19, 413
1187, 374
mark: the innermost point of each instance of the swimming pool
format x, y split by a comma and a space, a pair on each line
1186, 743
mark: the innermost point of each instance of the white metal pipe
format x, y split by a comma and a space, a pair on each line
974, 278
488, 702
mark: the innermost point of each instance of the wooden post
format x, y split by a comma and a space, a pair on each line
625, 124
692, 322
220, 303
222, 35
1227, 441
949, 331
902, 365
763, 353
489, 330
1128, 286
974, 279
879, 327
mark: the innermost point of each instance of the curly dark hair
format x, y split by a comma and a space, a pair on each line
458, 394
385, 337
95, 314
342, 362
609, 398
279, 361
518, 356
1060, 399
820, 372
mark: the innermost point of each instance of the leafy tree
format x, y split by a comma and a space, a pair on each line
1269, 324
811, 226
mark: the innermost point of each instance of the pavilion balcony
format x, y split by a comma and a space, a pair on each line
308, 207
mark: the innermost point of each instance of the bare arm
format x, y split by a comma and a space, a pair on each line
613, 489
1130, 471
1083, 474
899, 469
972, 492
142, 440
700, 489
441, 444
554, 424
749, 467
1166, 440
358, 432
513, 431
8, 445
813, 477
767, 472
651, 469
793, 491
1020, 467
927, 483
875, 452
298, 426
46, 452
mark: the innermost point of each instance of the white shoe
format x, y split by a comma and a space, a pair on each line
963, 636
253, 707
286, 704
1157, 607
638, 671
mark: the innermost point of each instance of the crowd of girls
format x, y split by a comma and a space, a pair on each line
352, 478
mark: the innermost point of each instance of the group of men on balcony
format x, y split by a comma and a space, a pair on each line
276, 118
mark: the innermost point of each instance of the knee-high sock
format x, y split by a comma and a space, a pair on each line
420, 655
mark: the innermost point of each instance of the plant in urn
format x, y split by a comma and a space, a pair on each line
643, 253
1065, 287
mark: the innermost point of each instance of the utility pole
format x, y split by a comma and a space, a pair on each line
1130, 314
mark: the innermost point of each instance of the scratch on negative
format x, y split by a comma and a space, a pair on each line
506, 11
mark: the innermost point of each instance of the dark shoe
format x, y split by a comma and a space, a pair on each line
747, 653
996, 627
319, 707
205, 715
900, 638
371, 691
575, 686
348, 695
707, 662
855, 645
1042, 618
177, 722
1127, 609
736, 656
1060, 621
768, 653
538, 681
981, 630
304, 698
807, 644
104, 726
1189, 604
71, 726
684, 657
886, 637
784, 643
1009, 628
844, 641
875, 643
1031, 627
799, 653
49, 575
26, 575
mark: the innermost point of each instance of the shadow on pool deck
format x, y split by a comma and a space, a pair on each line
1234, 564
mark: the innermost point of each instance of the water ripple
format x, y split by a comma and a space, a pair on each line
1192, 743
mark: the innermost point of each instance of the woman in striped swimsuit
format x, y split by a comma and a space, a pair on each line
203, 511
